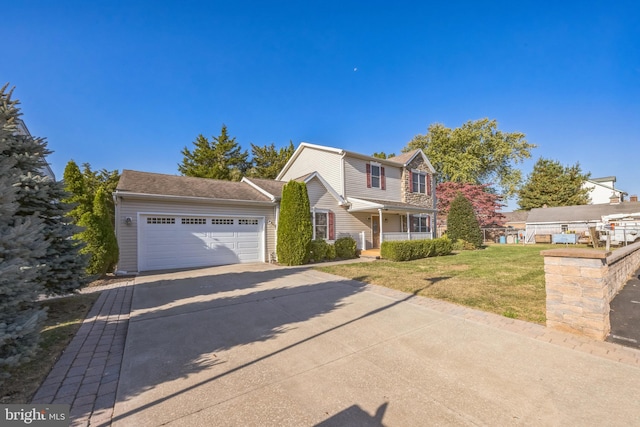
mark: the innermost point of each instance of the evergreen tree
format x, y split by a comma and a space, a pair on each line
268, 162
294, 225
221, 158
22, 245
61, 269
90, 192
78, 193
462, 223
99, 236
553, 185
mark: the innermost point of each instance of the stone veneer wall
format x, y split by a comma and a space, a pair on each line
580, 284
417, 198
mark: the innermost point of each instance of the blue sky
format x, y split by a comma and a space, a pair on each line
129, 84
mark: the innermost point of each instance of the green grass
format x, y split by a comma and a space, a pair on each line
504, 279
64, 317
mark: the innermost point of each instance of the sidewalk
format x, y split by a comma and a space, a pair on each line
86, 375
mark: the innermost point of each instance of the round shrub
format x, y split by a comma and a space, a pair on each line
346, 247
319, 250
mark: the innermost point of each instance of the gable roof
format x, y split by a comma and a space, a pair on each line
155, 184
515, 216
580, 213
271, 188
397, 161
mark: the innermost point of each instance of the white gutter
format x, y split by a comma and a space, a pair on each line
124, 194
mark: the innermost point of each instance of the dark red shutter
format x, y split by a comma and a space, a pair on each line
409, 228
332, 231
410, 182
383, 181
368, 175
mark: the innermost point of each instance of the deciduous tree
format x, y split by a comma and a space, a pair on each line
486, 204
477, 152
553, 185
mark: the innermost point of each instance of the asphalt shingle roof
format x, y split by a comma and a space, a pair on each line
185, 186
581, 213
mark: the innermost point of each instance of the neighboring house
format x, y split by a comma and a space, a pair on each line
166, 221
515, 219
603, 190
22, 130
572, 219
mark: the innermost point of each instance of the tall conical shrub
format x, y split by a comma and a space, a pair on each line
294, 225
462, 222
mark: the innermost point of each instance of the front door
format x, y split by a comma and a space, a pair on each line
375, 230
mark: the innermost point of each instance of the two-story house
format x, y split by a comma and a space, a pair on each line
167, 221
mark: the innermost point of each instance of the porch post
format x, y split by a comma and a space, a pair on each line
408, 227
380, 219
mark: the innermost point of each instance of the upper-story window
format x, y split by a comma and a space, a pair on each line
375, 176
420, 182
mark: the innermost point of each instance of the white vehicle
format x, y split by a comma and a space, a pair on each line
622, 229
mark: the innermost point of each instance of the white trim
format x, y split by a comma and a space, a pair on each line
328, 187
123, 194
299, 150
257, 187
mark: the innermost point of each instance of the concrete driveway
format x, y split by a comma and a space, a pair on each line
266, 346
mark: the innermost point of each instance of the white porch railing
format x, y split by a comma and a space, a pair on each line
406, 236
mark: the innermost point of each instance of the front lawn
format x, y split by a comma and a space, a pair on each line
503, 279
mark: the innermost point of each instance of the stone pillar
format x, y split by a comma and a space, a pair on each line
577, 291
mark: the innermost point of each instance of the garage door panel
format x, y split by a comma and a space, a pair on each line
177, 242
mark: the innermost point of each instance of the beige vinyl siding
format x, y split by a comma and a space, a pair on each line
326, 163
355, 171
130, 206
345, 222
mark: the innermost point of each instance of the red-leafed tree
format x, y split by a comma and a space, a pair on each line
485, 203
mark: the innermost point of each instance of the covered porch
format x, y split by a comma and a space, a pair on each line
390, 220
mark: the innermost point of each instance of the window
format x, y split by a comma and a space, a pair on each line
222, 221
192, 221
247, 222
565, 228
375, 176
419, 182
323, 227
161, 220
420, 224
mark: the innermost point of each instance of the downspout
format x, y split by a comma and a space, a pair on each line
380, 219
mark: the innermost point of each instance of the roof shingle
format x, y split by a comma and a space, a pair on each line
185, 186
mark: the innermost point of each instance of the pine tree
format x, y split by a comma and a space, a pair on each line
462, 223
221, 158
553, 185
22, 246
294, 225
268, 162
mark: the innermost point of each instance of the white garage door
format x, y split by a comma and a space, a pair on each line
174, 241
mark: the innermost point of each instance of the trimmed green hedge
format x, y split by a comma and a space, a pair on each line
406, 250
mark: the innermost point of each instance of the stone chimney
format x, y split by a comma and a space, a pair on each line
633, 198
614, 199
